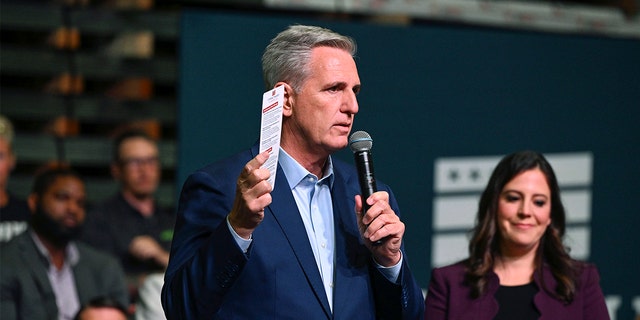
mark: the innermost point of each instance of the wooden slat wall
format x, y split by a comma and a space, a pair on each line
74, 75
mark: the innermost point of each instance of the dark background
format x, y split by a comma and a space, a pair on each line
442, 90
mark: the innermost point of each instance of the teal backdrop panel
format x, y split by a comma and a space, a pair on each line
437, 90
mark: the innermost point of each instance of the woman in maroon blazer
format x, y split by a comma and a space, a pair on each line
518, 267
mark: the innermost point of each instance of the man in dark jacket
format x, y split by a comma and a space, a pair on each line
45, 273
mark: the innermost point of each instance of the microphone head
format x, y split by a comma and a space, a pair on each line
360, 141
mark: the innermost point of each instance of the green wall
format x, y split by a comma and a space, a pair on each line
438, 90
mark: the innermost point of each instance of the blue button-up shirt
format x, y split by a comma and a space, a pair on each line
313, 198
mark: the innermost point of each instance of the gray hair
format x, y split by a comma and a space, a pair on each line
286, 58
6, 129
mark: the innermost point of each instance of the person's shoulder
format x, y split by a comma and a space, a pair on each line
92, 254
582, 272
223, 169
18, 240
11, 261
237, 159
106, 204
17, 200
450, 278
100, 214
454, 270
585, 270
12, 249
454, 267
16, 209
97, 261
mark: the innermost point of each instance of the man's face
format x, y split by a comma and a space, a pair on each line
59, 213
139, 167
321, 114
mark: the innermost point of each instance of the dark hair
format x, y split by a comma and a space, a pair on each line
44, 179
484, 244
101, 302
126, 135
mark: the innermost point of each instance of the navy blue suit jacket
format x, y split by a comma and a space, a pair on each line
209, 277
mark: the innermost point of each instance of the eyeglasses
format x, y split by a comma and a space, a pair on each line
139, 162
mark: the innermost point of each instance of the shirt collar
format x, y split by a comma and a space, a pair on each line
294, 172
72, 256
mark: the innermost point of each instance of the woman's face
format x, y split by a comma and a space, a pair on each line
524, 212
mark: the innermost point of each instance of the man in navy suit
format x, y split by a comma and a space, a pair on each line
304, 249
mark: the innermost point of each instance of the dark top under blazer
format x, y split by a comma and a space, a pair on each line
209, 277
448, 297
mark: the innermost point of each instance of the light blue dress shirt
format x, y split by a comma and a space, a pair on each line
313, 198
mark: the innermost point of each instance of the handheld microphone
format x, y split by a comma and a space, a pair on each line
360, 143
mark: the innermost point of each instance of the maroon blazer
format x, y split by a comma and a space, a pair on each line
448, 297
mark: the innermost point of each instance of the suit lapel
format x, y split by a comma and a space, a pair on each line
350, 253
82, 275
285, 212
38, 269
342, 195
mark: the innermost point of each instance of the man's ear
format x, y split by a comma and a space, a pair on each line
289, 95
